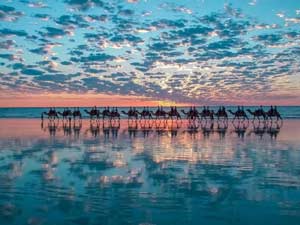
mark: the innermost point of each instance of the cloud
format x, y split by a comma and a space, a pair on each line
74, 20
7, 56
269, 39
5, 32
31, 72
171, 51
98, 57
42, 16
84, 4
9, 14
53, 32
7, 44
37, 5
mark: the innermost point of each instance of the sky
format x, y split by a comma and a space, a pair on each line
149, 52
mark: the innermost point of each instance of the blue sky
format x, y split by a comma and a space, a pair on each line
200, 52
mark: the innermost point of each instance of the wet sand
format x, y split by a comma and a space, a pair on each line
90, 174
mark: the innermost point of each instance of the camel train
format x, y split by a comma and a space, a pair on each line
173, 114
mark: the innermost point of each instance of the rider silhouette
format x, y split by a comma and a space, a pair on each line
223, 110
271, 110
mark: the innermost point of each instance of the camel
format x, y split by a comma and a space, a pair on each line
52, 114
207, 114
94, 113
132, 114
258, 113
239, 114
66, 114
145, 114
273, 113
160, 114
221, 114
111, 115
174, 114
105, 113
76, 113
192, 114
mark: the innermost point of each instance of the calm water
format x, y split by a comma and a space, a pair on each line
287, 112
98, 175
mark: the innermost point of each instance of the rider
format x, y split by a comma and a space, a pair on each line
242, 109
220, 109
261, 109
191, 110
271, 110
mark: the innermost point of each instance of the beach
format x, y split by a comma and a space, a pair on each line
84, 174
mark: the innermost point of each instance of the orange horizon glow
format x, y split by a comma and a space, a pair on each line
81, 100
100, 100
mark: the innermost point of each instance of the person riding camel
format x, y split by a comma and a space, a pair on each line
271, 110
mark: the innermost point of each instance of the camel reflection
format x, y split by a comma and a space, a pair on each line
207, 128
51, 127
94, 128
222, 127
240, 128
272, 129
146, 127
174, 126
112, 127
77, 125
192, 125
67, 128
132, 128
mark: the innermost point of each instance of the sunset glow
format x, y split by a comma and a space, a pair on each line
90, 52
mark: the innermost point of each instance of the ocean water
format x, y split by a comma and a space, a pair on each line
287, 112
92, 173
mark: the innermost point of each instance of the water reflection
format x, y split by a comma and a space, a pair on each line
133, 127
240, 128
261, 128
133, 173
